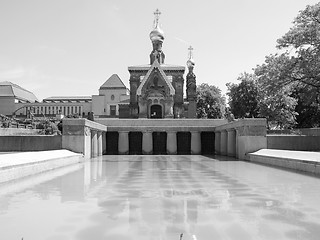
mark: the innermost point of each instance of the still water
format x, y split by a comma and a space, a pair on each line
161, 197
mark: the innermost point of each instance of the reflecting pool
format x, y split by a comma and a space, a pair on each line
161, 197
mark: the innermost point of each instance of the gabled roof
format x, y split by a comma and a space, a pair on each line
155, 65
113, 82
9, 89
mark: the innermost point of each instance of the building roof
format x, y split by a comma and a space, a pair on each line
113, 82
125, 101
67, 98
164, 67
9, 89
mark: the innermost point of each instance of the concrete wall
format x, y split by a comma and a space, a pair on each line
17, 131
298, 131
161, 124
6, 105
293, 142
30, 143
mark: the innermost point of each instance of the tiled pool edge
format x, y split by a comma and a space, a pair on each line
310, 165
43, 161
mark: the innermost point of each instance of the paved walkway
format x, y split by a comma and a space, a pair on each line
295, 160
286, 154
12, 159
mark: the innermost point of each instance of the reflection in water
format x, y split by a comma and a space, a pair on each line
160, 197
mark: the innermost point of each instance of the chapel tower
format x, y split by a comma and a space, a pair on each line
191, 86
156, 89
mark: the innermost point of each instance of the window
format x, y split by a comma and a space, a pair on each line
113, 110
112, 97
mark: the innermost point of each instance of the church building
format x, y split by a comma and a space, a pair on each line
156, 89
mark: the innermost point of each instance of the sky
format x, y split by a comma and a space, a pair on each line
71, 47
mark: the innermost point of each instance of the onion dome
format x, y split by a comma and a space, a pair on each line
190, 62
157, 34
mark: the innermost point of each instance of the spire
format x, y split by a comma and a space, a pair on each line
191, 78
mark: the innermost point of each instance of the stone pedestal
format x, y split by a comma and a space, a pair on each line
94, 144
231, 142
147, 146
244, 136
217, 141
76, 136
123, 142
224, 143
195, 143
171, 143
250, 139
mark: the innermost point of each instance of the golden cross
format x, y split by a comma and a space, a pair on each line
157, 16
190, 52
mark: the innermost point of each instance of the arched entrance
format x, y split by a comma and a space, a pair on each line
156, 111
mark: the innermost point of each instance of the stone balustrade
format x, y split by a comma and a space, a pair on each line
240, 137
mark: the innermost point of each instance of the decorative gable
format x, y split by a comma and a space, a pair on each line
155, 80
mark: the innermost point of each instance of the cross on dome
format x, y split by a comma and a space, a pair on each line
190, 52
157, 14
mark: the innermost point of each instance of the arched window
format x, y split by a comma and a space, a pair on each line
112, 97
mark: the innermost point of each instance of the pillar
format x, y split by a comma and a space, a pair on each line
147, 142
171, 142
123, 142
231, 146
99, 138
195, 142
104, 142
94, 143
223, 142
217, 140
237, 145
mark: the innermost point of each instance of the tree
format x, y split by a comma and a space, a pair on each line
296, 72
243, 97
303, 42
276, 101
210, 102
308, 113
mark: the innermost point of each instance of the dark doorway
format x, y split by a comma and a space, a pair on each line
207, 143
112, 143
135, 143
156, 111
183, 143
159, 142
